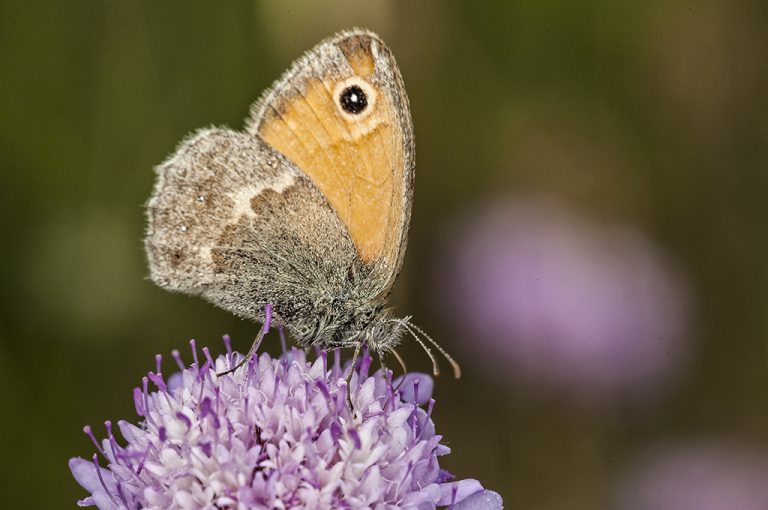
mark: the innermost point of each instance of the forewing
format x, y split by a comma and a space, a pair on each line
234, 221
362, 162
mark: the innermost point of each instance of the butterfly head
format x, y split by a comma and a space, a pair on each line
381, 331
372, 326
340, 325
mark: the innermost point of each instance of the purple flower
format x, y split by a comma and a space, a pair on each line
567, 304
708, 476
277, 433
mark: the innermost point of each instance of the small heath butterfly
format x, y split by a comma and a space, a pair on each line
301, 218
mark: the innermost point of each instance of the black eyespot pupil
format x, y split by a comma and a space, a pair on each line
353, 99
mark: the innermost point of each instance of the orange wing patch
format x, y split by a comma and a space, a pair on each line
360, 59
355, 159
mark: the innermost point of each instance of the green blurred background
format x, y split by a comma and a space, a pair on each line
652, 113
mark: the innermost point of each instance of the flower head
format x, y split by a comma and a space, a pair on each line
590, 309
705, 475
277, 433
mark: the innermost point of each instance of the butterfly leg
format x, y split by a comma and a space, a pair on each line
283, 342
256, 342
382, 364
399, 360
353, 366
402, 365
352, 369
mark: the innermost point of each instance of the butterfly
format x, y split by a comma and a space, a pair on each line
302, 218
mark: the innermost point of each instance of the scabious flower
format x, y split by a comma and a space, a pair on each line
564, 303
277, 433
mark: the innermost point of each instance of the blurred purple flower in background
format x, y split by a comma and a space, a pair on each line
566, 304
277, 433
702, 477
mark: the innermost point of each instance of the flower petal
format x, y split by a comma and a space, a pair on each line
463, 489
174, 381
103, 501
85, 474
407, 388
481, 500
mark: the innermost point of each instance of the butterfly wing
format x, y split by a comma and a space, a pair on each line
340, 113
232, 220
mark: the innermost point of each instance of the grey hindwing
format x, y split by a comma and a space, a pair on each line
235, 222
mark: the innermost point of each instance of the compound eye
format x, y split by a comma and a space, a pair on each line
353, 100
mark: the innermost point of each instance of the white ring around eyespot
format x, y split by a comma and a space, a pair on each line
370, 96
